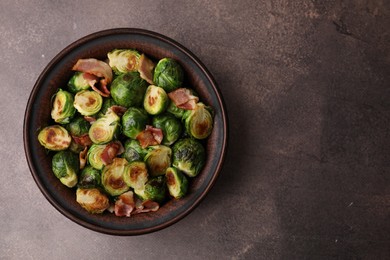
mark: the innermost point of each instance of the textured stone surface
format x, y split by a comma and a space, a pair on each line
307, 89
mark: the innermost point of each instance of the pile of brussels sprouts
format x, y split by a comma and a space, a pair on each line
121, 138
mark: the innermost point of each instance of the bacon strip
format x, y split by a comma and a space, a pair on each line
124, 206
90, 119
83, 157
91, 79
99, 69
119, 110
183, 98
150, 136
145, 69
111, 151
82, 140
145, 206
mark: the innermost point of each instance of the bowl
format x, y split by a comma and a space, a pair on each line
56, 75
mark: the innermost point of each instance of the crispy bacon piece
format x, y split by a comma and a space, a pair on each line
183, 98
111, 151
119, 110
90, 119
145, 206
83, 157
91, 79
125, 204
82, 140
99, 69
145, 69
150, 136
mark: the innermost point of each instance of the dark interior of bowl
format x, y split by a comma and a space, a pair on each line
57, 74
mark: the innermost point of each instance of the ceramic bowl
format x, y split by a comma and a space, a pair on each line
56, 75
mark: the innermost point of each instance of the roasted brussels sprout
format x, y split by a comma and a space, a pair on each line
78, 82
94, 156
188, 156
113, 177
155, 100
177, 183
134, 120
133, 151
92, 199
176, 111
170, 126
128, 89
78, 126
136, 175
63, 109
198, 122
155, 190
65, 166
105, 128
168, 74
55, 138
124, 60
107, 103
88, 102
89, 177
158, 159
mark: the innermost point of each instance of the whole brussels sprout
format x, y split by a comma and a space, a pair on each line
89, 177
94, 156
198, 122
128, 89
78, 126
113, 177
155, 190
134, 120
55, 138
177, 183
189, 156
136, 174
158, 159
63, 109
176, 111
156, 100
78, 82
133, 151
92, 200
168, 74
65, 166
88, 102
170, 126
105, 128
123, 60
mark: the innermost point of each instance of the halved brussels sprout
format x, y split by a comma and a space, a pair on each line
113, 177
92, 200
94, 156
156, 100
168, 74
78, 83
55, 138
78, 126
176, 111
133, 151
105, 128
134, 120
128, 89
198, 122
188, 156
155, 190
63, 109
177, 183
88, 102
65, 166
170, 126
123, 60
107, 103
136, 175
89, 177
158, 159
